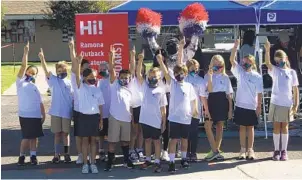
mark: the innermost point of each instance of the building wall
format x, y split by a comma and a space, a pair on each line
49, 40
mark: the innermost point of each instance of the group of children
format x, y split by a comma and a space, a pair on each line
135, 107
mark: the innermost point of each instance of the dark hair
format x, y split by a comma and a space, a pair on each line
249, 37
124, 71
87, 72
171, 46
32, 66
84, 61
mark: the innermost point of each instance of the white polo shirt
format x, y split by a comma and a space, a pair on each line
61, 97
165, 85
153, 100
283, 82
180, 109
75, 88
90, 98
121, 98
220, 83
104, 86
249, 85
29, 99
199, 85
136, 89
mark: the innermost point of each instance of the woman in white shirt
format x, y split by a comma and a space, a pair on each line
61, 106
248, 100
90, 121
219, 107
30, 109
284, 99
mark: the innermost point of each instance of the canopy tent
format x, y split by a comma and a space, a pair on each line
278, 12
220, 12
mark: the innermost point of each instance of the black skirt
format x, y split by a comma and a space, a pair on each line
218, 106
31, 128
88, 125
245, 117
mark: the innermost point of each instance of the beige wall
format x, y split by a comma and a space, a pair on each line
49, 40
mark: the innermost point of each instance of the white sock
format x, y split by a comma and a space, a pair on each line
148, 159
284, 141
276, 138
183, 155
22, 154
172, 157
33, 153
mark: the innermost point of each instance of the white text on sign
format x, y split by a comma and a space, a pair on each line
91, 27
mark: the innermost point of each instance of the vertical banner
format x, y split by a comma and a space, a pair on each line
96, 32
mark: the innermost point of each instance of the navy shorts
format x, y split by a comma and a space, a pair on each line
150, 132
104, 131
178, 130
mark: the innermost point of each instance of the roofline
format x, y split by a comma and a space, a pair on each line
23, 16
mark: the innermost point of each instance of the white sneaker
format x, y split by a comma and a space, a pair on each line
242, 154
178, 154
165, 156
94, 169
80, 159
141, 157
85, 169
133, 157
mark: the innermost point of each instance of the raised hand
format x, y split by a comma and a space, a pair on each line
141, 55
210, 71
267, 45
26, 48
41, 54
71, 43
79, 59
182, 42
236, 44
133, 52
159, 57
112, 51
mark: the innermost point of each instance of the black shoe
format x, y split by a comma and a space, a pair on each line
146, 165
21, 161
67, 158
56, 159
184, 163
172, 168
108, 166
129, 164
157, 168
102, 156
33, 160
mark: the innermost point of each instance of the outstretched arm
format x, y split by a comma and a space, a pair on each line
111, 64
163, 67
72, 53
139, 67
180, 52
267, 47
24, 61
234, 53
43, 63
78, 67
132, 61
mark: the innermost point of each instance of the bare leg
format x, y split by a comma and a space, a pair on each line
210, 135
79, 144
242, 136
148, 148
134, 135
33, 144
24, 146
157, 148
85, 144
57, 143
92, 149
251, 134
219, 134
66, 141
140, 137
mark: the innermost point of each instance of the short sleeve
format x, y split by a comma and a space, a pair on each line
192, 93
272, 72
38, 95
101, 99
236, 70
203, 90
163, 100
50, 80
19, 81
259, 85
74, 81
229, 89
295, 81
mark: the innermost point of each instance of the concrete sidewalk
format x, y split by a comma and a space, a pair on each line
40, 81
231, 169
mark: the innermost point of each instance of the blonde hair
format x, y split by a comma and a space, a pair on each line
61, 64
220, 59
253, 61
282, 55
179, 68
192, 62
154, 70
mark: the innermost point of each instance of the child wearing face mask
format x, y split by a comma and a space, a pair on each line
104, 86
248, 100
284, 99
153, 112
199, 85
120, 118
90, 119
60, 108
183, 106
219, 106
30, 110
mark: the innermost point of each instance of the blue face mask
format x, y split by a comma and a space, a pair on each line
280, 64
216, 68
30, 78
153, 82
193, 73
123, 82
246, 66
62, 75
104, 73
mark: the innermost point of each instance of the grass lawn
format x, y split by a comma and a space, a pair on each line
8, 76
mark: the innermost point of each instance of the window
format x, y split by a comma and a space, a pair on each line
19, 31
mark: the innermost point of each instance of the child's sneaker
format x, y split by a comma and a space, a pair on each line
33, 160
133, 157
184, 163
21, 161
102, 156
213, 156
141, 156
157, 168
276, 156
80, 159
242, 154
67, 158
172, 168
108, 166
193, 157
129, 165
85, 169
210, 154
283, 156
251, 154
146, 165
165, 156
56, 159
94, 169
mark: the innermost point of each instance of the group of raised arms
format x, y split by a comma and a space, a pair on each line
162, 105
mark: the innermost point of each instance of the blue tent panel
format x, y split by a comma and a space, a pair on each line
220, 12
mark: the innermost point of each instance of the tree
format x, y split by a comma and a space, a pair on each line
2, 15
61, 14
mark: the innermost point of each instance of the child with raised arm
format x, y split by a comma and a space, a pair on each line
248, 100
30, 109
219, 104
153, 112
84, 65
61, 106
120, 117
90, 119
183, 106
284, 99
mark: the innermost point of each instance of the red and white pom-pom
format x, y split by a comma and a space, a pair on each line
193, 15
148, 21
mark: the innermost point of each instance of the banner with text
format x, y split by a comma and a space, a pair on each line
96, 32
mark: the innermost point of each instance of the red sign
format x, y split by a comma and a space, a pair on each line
96, 32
